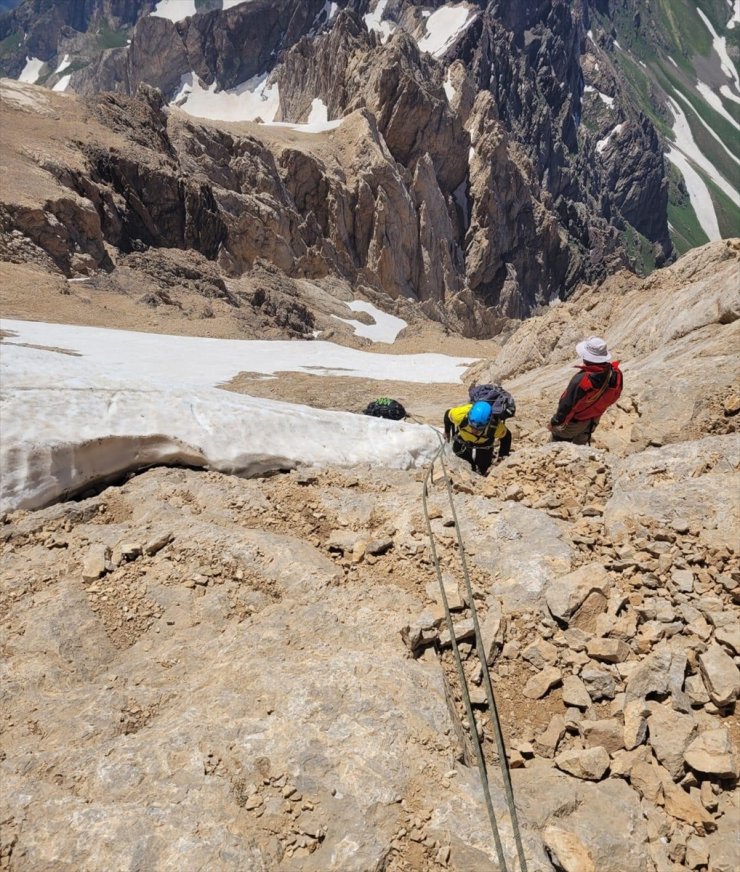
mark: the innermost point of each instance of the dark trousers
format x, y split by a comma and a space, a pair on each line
578, 432
479, 458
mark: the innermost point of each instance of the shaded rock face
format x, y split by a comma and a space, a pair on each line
44, 25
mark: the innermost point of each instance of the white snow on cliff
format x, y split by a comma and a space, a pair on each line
686, 144
699, 195
251, 100
719, 44
31, 70
174, 10
385, 329
604, 97
444, 26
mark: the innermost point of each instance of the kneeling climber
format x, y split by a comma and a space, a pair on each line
589, 394
474, 429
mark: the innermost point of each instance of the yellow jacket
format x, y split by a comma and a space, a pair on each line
457, 415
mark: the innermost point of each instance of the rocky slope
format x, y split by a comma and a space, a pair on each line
485, 185
206, 671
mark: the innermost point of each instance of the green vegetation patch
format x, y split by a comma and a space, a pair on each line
728, 214
721, 126
110, 38
685, 230
644, 93
11, 44
640, 250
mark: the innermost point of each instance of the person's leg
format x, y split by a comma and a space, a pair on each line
504, 447
483, 460
578, 432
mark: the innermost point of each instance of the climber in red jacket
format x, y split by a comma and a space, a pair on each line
589, 394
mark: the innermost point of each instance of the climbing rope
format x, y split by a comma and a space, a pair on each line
492, 707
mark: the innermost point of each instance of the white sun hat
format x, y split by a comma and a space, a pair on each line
593, 350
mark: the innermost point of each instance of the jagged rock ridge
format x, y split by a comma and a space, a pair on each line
491, 191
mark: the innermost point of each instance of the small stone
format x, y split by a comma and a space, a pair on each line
645, 778
253, 802
358, 551
696, 691
567, 594
697, 853
575, 693
378, 547
609, 650
590, 764
513, 492
683, 579
452, 592
96, 562
607, 732
541, 683
635, 723
600, 684
721, 676
540, 654
158, 543
651, 677
681, 806
729, 637
670, 734
546, 744
567, 850
492, 631
464, 629
712, 753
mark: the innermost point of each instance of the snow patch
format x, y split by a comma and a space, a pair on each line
602, 143
246, 102
604, 97
672, 61
62, 84
385, 329
686, 144
30, 72
449, 88
735, 15
169, 360
373, 21
91, 422
720, 46
230, 4
699, 195
444, 26
590, 35
63, 65
617, 45
726, 92
174, 10
686, 100
715, 102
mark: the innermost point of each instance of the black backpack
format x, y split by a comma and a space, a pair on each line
502, 402
385, 407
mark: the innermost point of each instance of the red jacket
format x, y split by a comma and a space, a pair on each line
589, 393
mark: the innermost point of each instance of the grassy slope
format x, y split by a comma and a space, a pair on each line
677, 31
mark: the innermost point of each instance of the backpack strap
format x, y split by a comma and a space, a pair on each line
592, 400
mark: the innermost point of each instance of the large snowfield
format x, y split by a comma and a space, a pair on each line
87, 404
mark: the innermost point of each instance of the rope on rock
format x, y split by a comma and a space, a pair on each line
492, 707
